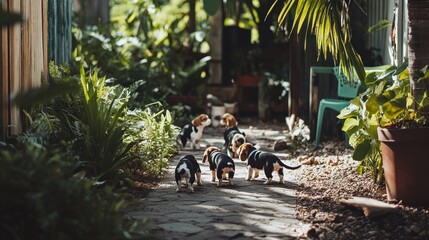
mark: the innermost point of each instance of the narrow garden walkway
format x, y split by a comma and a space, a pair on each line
247, 210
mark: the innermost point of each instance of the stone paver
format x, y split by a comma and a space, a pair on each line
247, 210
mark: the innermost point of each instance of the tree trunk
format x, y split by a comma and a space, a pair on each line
418, 44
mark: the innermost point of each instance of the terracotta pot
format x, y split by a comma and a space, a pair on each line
406, 164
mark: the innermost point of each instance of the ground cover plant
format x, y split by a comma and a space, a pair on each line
83, 142
45, 202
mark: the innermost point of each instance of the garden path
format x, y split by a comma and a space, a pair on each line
247, 210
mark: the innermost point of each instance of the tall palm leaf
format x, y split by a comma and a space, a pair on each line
329, 21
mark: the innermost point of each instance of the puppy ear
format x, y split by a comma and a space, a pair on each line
205, 156
196, 121
230, 122
233, 121
242, 153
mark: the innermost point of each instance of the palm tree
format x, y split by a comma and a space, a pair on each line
329, 21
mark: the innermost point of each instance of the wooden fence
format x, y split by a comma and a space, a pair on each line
23, 58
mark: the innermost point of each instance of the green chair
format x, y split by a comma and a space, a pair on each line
346, 91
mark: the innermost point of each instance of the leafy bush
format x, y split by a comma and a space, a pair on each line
41, 201
155, 134
100, 134
152, 56
385, 98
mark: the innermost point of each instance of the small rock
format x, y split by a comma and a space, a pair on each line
280, 145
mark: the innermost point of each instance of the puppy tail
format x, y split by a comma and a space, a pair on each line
289, 167
181, 140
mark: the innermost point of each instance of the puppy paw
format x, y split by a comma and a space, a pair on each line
268, 182
191, 189
178, 189
199, 183
248, 179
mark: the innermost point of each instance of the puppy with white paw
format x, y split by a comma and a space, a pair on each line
258, 160
221, 165
185, 173
233, 137
194, 131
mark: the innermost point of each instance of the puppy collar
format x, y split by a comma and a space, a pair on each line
214, 153
232, 133
252, 154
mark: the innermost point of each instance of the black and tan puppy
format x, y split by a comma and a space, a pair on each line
258, 160
220, 165
185, 172
194, 131
232, 135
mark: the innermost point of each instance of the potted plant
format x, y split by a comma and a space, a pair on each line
388, 132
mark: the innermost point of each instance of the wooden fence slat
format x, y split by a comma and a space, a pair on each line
25, 45
36, 46
15, 69
44, 12
23, 60
4, 91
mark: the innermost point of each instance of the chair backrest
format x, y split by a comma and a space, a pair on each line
346, 88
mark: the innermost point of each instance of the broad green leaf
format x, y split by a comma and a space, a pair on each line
401, 68
349, 111
350, 124
393, 109
362, 150
372, 126
371, 78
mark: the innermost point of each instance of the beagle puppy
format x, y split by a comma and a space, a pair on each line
185, 172
258, 160
232, 136
220, 165
194, 131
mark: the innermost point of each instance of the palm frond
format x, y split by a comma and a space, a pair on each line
329, 22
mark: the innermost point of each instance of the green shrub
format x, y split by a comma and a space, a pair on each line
155, 134
384, 99
103, 150
40, 201
149, 49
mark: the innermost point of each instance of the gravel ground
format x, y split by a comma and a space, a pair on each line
333, 176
